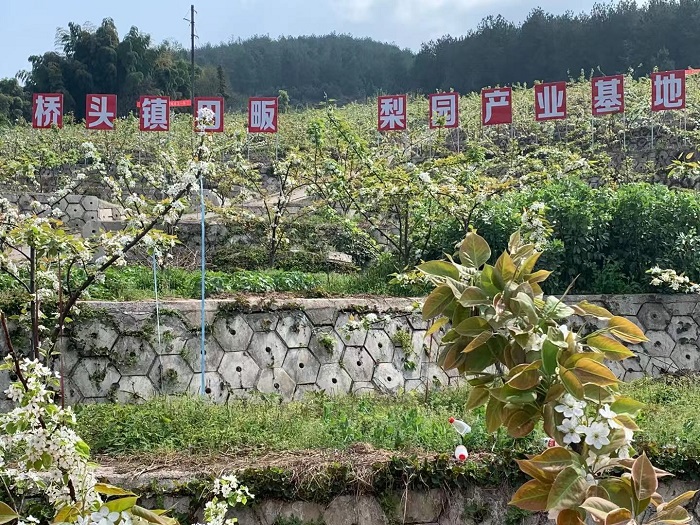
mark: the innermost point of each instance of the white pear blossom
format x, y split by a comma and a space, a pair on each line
571, 407
597, 435
570, 428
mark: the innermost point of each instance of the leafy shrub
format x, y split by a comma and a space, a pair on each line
604, 239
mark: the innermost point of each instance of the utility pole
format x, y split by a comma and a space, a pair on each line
194, 116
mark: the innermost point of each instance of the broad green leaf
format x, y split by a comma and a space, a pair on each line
491, 281
477, 397
526, 306
529, 265
550, 352
525, 376
619, 517
514, 242
532, 496
599, 507
547, 465
522, 422
7, 513
678, 500
505, 266
568, 490
449, 357
482, 380
557, 309
613, 350
627, 405
644, 477
586, 308
472, 327
121, 504
111, 490
619, 490
569, 517
439, 323
626, 330
473, 296
437, 301
590, 371
439, 268
571, 382
477, 360
597, 394
478, 342
474, 251
538, 276
460, 313
149, 516
67, 514
674, 516
493, 414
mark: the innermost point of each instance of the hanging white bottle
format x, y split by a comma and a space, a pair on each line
461, 453
460, 426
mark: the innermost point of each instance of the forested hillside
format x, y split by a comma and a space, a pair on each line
613, 38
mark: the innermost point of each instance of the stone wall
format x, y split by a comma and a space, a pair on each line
470, 505
114, 351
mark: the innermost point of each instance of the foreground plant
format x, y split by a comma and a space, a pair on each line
42, 457
527, 366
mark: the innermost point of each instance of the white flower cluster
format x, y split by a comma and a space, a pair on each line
363, 323
677, 283
594, 430
105, 517
534, 227
47, 453
228, 493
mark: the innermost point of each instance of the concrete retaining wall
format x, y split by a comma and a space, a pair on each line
112, 350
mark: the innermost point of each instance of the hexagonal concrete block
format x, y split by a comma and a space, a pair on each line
434, 375
295, 330
333, 380
683, 329
276, 381
74, 211
617, 368
301, 365
267, 349
93, 338
657, 366
239, 370
95, 377
91, 228
353, 338
174, 334
214, 386
302, 390
660, 344
358, 364
387, 378
379, 346
90, 203
326, 345
654, 316
213, 354
233, 333
417, 322
171, 374
633, 368
72, 198
322, 316
686, 356
408, 364
263, 322
135, 389
132, 355
73, 395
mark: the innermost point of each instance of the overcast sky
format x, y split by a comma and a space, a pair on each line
30, 25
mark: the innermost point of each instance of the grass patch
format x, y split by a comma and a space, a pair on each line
405, 423
136, 282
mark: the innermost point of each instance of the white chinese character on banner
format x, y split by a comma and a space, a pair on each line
607, 95
99, 114
216, 106
495, 99
48, 110
392, 113
550, 102
668, 91
444, 106
262, 115
155, 113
